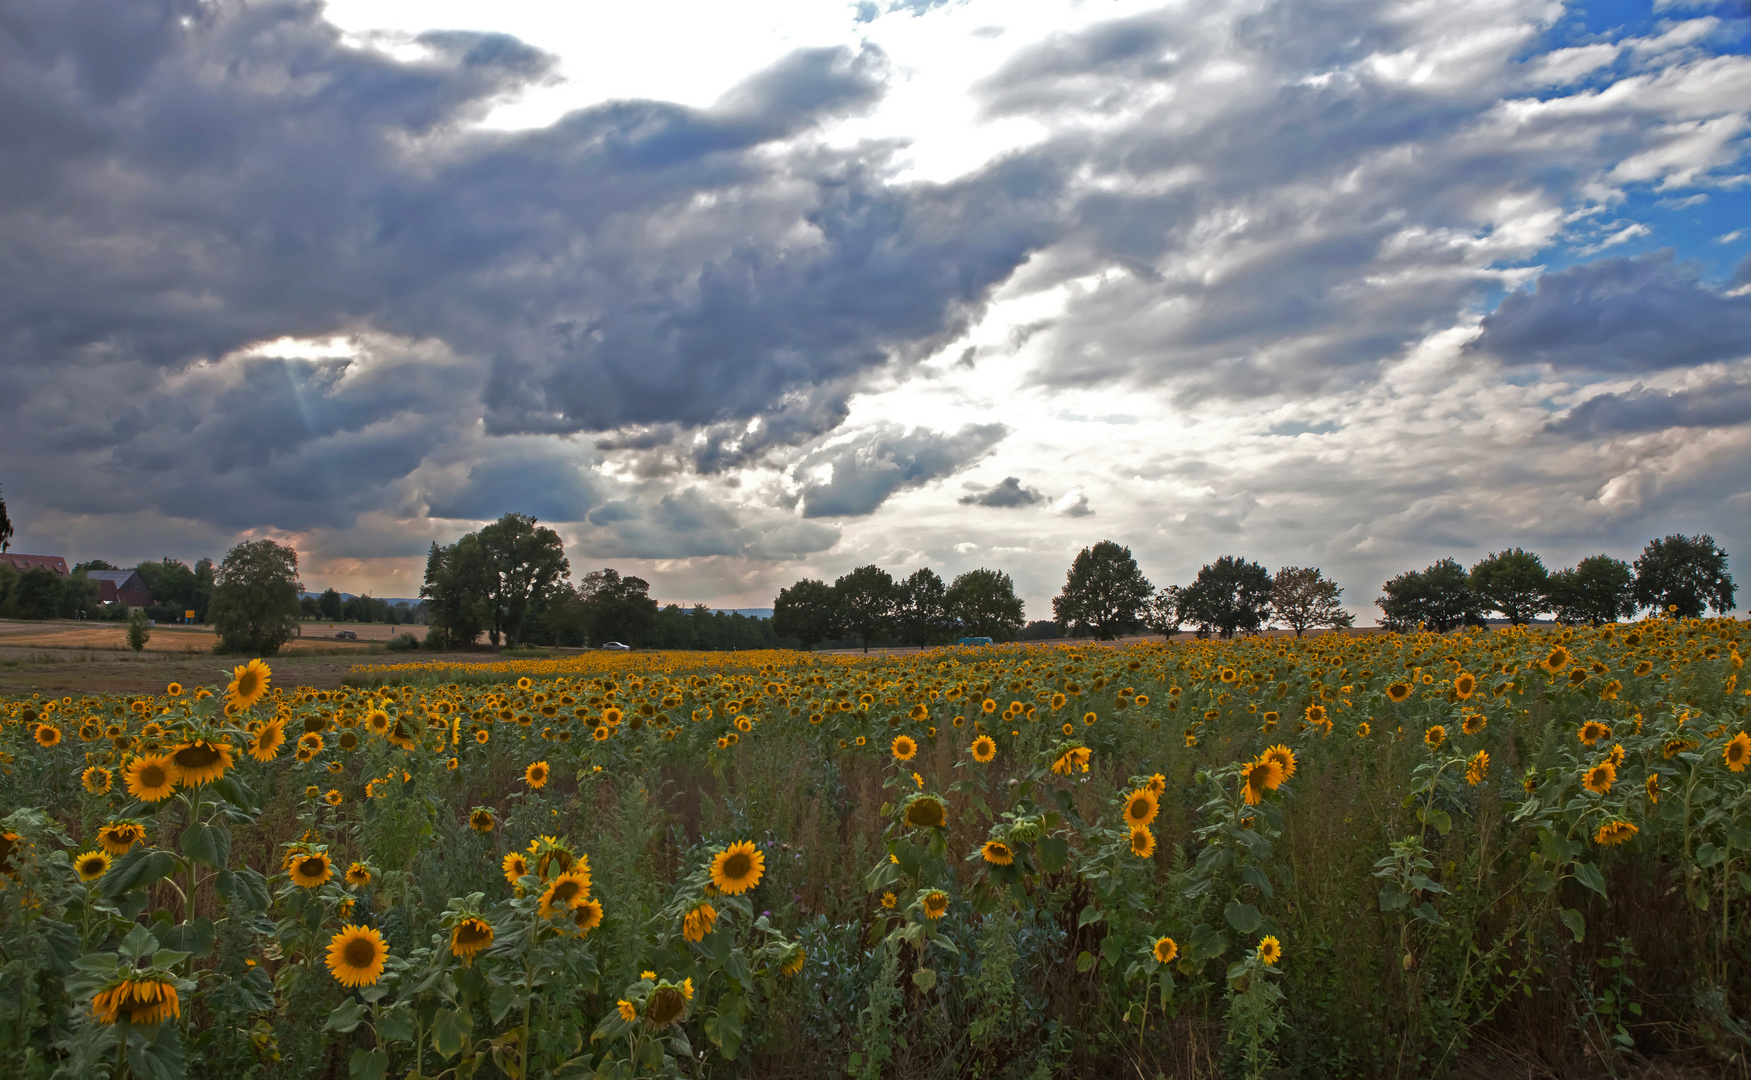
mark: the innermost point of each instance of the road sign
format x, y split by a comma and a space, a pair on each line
188, 614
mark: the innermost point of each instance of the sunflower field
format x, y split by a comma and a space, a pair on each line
1369, 855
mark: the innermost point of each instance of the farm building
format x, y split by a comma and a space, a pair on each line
22, 563
124, 585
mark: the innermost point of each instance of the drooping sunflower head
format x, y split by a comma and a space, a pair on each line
481, 820
1142, 842
698, 922
792, 964
118, 836
1592, 731
935, 904
997, 853
1141, 806
470, 936
587, 916
1614, 832
1284, 757
1477, 768
666, 1005
1270, 950
152, 777
145, 998
1258, 777
737, 868
1166, 950
358, 875
904, 747
1737, 752
96, 779
91, 865
201, 762
536, 775
356, 956
248, 683
1071, 759
309, 869
926, 812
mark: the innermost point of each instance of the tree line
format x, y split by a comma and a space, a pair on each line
1106, 596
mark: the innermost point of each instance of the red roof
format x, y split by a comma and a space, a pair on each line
21, 563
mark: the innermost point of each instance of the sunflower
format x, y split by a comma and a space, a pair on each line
1477, 768
698, 922
997, 853
1737, 752
628, 1011
1600, 777
1142, 842
737, 868
91, 865
358, 875
334, 797
563, 893
1643, 668
401, 735
1674, 747
470, 936
1592, 731
200, 761
587, 916
266, 743
1284, 757
1258, 777
152, 777
514, 866
793, 966
1070, 760
118, 836
926, 811
665, 1006
356, 956
248, 683
1557, 659
309, 869
1399, 691
1464, 685
96, 779
1270, 950
146, 999
935, 904
482, 820
1473, 723
536, 775
1141, 807
904, 747
984, 748
48, 735
1363, 729
1614, 832
1435, 736
378, 721
1166, 949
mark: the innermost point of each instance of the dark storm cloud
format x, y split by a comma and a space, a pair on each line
180, 179
868, 470
687, 524
1005, 495
547, 488
1619, 315
1726, 404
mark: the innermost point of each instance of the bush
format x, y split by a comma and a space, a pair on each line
402, 643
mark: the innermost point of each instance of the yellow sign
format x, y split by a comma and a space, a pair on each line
188, 614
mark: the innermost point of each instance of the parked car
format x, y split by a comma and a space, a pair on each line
615, 645
346, 635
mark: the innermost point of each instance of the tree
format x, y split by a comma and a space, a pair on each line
138, 635
1104, 593
1439, 598
454, 593
1166, 611
5, 527
1230, 595
617, 608
94, 564
78, 596
807, 611
524, 561
983, 603
331, 604
175, 588
1303, 598
37, 594
921, 608
255, 598
1598, 589
1513, 582
866, 597
1688, 573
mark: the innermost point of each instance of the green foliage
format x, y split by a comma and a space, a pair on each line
255, 598
1104, 593
138, 634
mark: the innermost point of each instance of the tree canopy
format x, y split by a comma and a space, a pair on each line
255, 598
1683, 575
866, 599
1104, 593
1303, 598
1514, 583
983, 603
1598, 589
1229, 596
1438, 597
807, 611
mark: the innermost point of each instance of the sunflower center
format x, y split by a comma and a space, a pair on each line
153, 776
737, 866
472, 933
198, 756
360, 952
312, 867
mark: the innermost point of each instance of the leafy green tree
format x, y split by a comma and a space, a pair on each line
78, 596
525, 561
5, 527
37, 594
332, 605
1439, 598
866, 598
983, 603
1229, 596
921, 612
1688, 573
454, 592
1104, 593
175, 588
255, 598
617, 608
1166, 611
94, 564
1514, 583
138, 634
807, 611
1598, 589
1303, 598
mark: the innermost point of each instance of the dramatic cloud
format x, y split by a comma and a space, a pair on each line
1007, 494
861, 474
1725, 404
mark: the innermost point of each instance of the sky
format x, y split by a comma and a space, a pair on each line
732, 295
